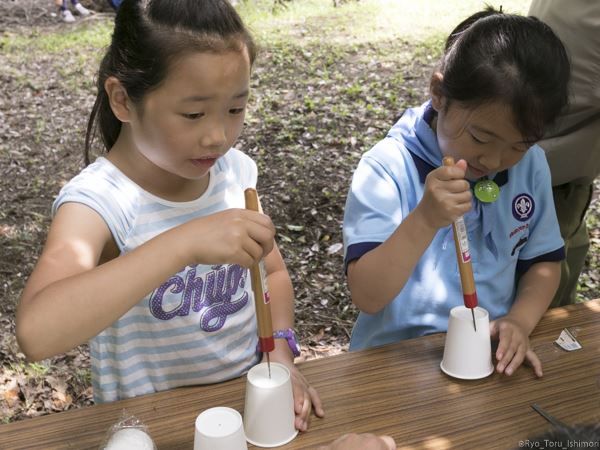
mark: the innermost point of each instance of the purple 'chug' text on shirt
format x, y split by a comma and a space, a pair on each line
215, 292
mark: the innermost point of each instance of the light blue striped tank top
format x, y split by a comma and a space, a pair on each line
198, 326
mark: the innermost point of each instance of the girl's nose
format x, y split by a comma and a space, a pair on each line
213, 135
491, 159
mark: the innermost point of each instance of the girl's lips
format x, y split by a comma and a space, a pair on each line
476, 172
205, 163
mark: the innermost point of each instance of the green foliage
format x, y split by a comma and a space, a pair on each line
34, 371
96, 35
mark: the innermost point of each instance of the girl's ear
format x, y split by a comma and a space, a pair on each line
435, 89
118, 99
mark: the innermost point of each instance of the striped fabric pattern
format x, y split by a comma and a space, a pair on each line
198, 326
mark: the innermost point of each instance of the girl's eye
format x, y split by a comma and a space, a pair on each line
521, 148
479, 141
236, 111
192, 116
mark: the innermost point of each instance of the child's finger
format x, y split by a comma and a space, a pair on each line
506, 348
462, 164
502, 343
460, 189
299, 394
301, 422
516, 360
299, 401
263, 236
455, 172
316, 402
305, 396
253, 250
505, 361
389, 441
534, 361
306, 409
451, 175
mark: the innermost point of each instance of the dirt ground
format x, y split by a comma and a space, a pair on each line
314, 110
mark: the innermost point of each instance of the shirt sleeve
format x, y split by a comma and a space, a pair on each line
105, 194
373, 208
545, 242
245, 168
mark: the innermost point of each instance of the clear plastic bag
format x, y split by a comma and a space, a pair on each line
128, 434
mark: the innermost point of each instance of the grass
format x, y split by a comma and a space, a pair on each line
62, 40
364, 21
305, 23
35, 371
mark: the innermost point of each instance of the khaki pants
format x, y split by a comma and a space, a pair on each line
571, 202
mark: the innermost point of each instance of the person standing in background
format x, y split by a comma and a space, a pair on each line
573, 146
66, 15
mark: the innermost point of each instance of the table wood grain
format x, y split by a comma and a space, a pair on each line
396, 389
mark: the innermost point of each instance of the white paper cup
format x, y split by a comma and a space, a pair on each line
219, 428
468, 353
130, 439
269, 408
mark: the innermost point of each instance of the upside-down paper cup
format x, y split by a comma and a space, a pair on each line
468, 353
269, 407
219, 428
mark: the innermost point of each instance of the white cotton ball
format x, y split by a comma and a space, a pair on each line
130, 439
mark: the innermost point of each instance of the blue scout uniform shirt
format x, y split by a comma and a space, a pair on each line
505, 237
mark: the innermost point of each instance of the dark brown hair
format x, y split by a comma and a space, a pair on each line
519, 60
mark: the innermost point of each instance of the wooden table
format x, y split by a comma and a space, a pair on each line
396, 389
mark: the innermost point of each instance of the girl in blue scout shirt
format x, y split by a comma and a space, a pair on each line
148, 251
501, 81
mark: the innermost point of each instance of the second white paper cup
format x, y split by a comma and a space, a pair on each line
130, 438
219, 428
468, 353
269, 407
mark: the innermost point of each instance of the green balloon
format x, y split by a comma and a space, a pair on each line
487, 191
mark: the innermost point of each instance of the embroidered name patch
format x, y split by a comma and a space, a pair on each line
523, 207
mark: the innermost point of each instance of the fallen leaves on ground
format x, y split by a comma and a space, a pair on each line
315, 108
